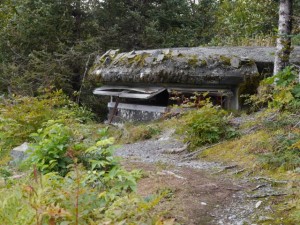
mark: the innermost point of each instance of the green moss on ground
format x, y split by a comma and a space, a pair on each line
249, 152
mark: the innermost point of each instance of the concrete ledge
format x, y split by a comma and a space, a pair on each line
148, 108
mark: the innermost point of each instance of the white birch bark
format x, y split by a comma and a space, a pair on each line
283, 46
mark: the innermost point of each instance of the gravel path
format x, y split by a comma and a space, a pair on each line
156, 151
238, 208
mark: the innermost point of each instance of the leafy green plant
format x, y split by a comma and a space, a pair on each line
131, 209
287, 88
206, 125
49, 148
105, 169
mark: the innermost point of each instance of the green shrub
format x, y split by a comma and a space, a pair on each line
286, 92
131, 209
206, 125
48, 152
104, 168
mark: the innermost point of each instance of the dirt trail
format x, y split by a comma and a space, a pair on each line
199, 192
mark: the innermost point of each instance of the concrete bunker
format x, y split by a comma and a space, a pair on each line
141, 83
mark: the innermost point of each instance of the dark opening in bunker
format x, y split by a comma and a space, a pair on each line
195, 96
148, 103
135, 103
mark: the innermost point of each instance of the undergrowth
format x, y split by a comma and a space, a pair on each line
70, 175
206, 125
268, 147
282, 93
72, 183
21, 116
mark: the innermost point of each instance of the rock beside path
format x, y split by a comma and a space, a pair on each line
18, 153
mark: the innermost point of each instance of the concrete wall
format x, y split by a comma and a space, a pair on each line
132, 112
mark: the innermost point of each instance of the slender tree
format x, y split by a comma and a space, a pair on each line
283, 48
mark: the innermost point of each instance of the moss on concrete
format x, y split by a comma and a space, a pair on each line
138, 60
193, 61
225, 60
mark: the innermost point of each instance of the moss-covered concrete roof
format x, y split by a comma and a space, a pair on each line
189, 66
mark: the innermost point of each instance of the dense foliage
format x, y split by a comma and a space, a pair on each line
280, 91
246, 22
21, 116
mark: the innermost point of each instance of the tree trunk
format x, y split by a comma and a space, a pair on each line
283, 47
77, 14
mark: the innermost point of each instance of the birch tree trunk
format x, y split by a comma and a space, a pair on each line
283, 47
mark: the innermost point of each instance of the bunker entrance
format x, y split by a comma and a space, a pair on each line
149, 103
